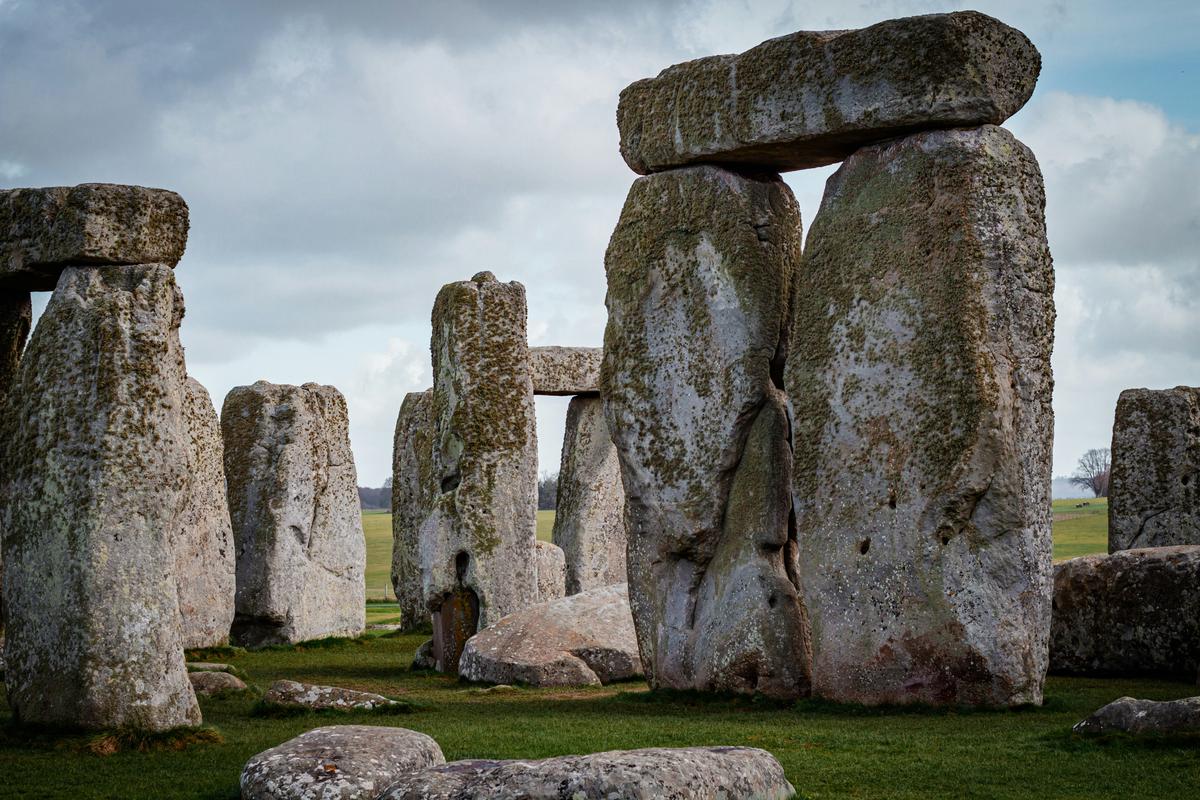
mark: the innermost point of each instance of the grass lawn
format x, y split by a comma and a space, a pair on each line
1080, 527
545, 525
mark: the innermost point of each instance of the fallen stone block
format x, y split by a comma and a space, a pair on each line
1130, 715
210, 683
324, 698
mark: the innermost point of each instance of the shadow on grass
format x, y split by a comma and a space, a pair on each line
125, 739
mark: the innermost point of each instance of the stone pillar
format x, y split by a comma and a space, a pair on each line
919, 376
551, 565
294, 506
413, 491
479, 540
589, 525
1154, 492
701, 272
16, 314
92, 481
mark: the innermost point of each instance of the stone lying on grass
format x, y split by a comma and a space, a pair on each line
697, 773
587, 639
424, 657
209, 666
346, 762
565, 370
1130, 715
291, 694
210, 683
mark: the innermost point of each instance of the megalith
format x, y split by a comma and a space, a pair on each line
413, 491
920, 382
565, 370
294, 506
589, 524
701, 271
205, 563
550, 564
93, 473
477, 545
1154, 489
16, 316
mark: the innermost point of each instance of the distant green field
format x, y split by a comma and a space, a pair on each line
545, 528
1080, 527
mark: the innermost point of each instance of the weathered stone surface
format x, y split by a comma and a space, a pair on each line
204, 549
700, 271
207, 682
320, 698
209, 666
551, 567
586, 639
477, 546
44, 230
338, 762
93, 453
589, 524
814, 97
1130, 715
413, 490
696, 773
423, 658
1154, 490
16, 314
1135, 612
920, 383
565, 370
293, 501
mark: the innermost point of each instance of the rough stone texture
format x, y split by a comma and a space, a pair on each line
551, 567
565, 370
338, 762
93, 454
294, 505
209, 666
695, 773
44, 230
589, 524
212, 682
16, 314
813, 98
205, 569
1154, 491
320, 698
413, 490
1130, 715
700, 278
586, 639
920, 383
477, 562
423, 658
1136, 612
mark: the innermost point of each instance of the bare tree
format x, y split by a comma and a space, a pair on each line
1093, 471
548, 491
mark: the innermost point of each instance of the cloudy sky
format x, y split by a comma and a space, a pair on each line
344, 160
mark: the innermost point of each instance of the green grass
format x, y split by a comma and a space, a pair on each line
1080, 529
828, 752
545, 525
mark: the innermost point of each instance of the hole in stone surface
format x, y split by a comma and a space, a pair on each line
771, 601
461, 562
1186, 479
945, 538
892, 499
864, 546
451, 482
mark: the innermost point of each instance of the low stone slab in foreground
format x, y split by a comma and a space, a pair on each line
697, 773
210, 683
565, 370
1130, 715
291, 694
586, 639
347, 762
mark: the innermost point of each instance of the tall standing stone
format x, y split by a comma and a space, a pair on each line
589, 524
294, 506
1154, 492
205, 564
413, 491
477, 546
16, 314
701, 273
92, 477
919, 375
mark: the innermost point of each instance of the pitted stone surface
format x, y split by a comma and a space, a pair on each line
93, 454
16, 314
206, 682
1154, 492
694, 773
701, 269
920, 383
44, 230
205, 570
477, 546
1136, 612
813, 98
551, 567
413, 490
586, 639
565, 370
294, 504
338, 762
320, 698
1130, 715
589, 524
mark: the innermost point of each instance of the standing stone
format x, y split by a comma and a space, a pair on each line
413, 491
205, 566
93, 460
294, 505
813, 98
477, 547
1154, 492
700, 272
589, 524
551, 566
16, 314
920, 381
565, 370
